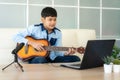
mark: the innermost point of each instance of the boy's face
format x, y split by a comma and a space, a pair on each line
49, 22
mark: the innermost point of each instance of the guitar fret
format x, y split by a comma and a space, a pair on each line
52, 48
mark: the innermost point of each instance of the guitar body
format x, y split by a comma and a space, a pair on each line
28, 51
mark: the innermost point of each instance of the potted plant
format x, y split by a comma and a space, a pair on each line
116, 60
108, 64
116, 65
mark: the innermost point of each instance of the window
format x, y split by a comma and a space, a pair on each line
101, 15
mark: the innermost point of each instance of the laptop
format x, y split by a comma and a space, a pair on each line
94, 53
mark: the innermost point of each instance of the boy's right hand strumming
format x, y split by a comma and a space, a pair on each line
37, 46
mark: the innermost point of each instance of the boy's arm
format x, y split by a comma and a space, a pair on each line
20, 36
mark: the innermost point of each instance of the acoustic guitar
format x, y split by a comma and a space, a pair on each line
28, 51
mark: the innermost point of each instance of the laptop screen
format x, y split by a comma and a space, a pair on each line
95, 51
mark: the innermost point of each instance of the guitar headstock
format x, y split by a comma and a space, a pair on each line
81, 50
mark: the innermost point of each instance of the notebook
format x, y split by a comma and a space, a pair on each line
94, 53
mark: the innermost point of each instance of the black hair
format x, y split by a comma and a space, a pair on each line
48, 11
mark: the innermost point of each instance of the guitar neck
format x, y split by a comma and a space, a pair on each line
53, 48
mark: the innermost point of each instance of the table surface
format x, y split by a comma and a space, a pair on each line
54, 72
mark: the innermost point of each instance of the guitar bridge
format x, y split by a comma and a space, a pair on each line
26, 48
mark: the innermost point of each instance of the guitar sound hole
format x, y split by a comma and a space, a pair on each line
36, 49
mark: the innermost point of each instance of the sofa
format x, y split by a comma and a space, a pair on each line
70, 38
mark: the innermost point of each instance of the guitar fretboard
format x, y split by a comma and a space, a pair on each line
52, 48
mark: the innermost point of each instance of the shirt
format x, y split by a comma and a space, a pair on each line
39, 32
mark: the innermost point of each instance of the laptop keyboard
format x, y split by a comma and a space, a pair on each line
77, 64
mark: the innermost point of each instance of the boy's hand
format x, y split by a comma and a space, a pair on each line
70, 51
38, 47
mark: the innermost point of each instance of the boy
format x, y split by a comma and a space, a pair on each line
46, 30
